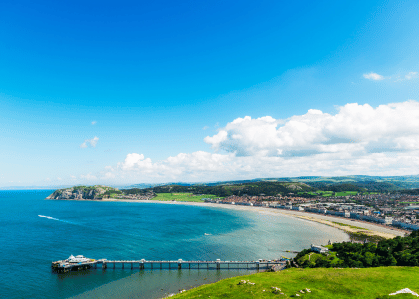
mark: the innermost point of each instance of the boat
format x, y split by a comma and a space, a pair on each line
77, 259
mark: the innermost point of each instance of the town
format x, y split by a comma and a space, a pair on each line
398, 210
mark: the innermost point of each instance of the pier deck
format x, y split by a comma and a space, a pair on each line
62, 266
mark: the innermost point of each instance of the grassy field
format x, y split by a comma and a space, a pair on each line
323, 283
346, 193
325, 193
182, 197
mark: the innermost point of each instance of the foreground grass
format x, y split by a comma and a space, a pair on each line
323, 283
182, 197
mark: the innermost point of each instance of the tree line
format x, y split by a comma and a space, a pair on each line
399, 251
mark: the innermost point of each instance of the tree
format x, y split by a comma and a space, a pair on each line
368, 259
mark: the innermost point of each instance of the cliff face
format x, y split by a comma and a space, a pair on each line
81, 192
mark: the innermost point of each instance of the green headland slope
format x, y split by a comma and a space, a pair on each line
322, 283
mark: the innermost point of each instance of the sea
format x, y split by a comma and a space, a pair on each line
35, 231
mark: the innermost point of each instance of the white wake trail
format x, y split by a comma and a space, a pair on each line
48, 217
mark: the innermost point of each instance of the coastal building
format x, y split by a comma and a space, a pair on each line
319, 249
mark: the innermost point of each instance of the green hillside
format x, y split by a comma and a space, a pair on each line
323, 283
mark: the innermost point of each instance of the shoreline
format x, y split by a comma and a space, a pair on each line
348, 225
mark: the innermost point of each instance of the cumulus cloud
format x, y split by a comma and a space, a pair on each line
94, 122
92, 142
355, 129
358, 139
373, 76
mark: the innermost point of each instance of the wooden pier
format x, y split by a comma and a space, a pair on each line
62, 266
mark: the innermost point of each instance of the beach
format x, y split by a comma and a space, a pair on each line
345, 224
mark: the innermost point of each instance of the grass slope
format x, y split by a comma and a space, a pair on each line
323, 283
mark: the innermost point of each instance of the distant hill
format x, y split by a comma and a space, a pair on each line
284, 185
304, 186
370, 183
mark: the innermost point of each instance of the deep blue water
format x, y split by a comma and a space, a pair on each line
118, 230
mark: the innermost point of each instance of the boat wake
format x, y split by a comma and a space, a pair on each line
48, 217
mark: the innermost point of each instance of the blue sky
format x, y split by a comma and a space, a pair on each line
121, 92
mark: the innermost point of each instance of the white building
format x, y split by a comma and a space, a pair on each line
319, 249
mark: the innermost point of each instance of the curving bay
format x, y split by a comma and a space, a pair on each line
40, 231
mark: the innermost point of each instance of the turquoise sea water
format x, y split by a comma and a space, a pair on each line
35, 232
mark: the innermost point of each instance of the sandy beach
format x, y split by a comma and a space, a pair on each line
346, 224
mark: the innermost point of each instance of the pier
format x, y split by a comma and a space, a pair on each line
65, 266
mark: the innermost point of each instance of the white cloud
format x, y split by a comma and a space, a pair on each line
108, 175
411, 75
358, 139
94, 122
88, 176
191, 166
136, 160
92, 142
204, 166
373, 76
355, 128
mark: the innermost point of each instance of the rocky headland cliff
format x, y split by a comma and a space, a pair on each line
84, 193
